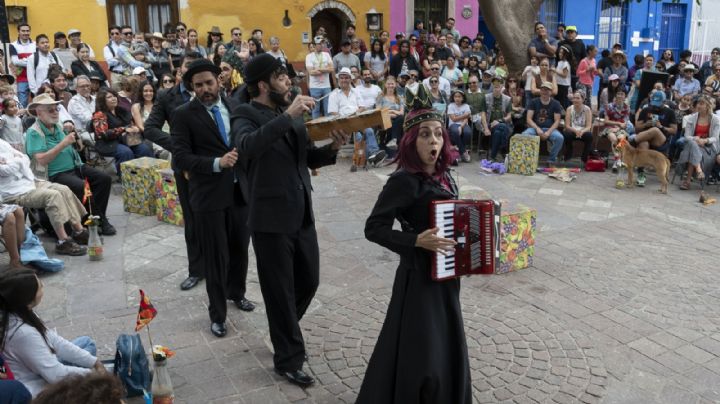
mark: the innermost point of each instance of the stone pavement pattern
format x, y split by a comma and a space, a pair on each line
620, 306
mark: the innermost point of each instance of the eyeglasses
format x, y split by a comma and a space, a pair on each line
54, 108
127, 33
167, 81
236, 34
114, 33
435, 68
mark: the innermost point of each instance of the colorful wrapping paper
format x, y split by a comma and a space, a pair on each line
517, 246
166, 198
524, 154
138, 181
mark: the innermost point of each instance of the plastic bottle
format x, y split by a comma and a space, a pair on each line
162, 389
95, 247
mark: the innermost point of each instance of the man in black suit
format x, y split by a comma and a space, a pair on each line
274, 148
203, 151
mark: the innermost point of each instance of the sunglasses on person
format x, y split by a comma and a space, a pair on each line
434, 81
435, 68
127, 33
237, 34
167, 81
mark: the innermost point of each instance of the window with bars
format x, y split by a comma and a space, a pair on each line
612, 24
142, 15
549, 14
431, 10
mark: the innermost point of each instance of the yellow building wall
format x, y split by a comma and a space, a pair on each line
90, 17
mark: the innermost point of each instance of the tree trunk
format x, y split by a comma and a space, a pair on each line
511, 22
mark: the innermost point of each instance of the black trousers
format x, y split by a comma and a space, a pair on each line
289, 272
570, 137
100, 184
192, 242
224, 240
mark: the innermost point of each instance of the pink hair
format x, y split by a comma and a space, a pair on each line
408, 158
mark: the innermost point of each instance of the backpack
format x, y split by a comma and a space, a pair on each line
131, 364
36, 59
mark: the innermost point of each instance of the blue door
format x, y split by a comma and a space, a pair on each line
672, 32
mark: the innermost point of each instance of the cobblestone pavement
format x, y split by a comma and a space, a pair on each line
621, 304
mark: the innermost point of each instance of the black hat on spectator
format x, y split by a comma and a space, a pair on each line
199, 66
8, 77
260, 67
60, 34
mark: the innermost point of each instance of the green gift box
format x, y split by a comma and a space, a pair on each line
166, 198
138, 182
517, 239
524, 154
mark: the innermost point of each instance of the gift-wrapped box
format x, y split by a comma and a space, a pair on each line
517, 238
138, 181
166, 198
524, 154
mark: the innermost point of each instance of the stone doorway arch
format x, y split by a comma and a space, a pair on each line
334, 16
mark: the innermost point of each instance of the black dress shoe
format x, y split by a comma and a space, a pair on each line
244, 304
218, 329
297, 377
190, 282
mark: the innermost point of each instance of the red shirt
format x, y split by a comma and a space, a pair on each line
702, 131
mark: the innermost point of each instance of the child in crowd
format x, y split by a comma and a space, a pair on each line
11, 128
460, 131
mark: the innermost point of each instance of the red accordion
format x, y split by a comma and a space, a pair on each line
475, 225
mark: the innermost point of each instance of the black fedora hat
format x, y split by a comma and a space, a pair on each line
260, 66
199, 66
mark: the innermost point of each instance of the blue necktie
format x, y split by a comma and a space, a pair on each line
221, 125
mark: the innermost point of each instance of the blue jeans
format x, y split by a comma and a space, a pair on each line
14, 392
555, 141
127, 153
23, 92
317, 93
499, 136
371, 145
461, 140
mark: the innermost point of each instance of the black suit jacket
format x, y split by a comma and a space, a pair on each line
276, 152
162, 111
78, 68
196, 144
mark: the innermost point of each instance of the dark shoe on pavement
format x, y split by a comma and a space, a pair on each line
190, 282
218, 329
69, 247
106, 229
297, 377
81, 237
377, 157
244, 304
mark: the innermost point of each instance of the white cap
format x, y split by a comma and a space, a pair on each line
73, 31
344, 70
139, 70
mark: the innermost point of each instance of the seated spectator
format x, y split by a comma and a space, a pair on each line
543, 119
167, 81
128, 86
18, 185
459, 129
476, 100
37, 355
687, 84
96, 388
618, 67
111, 139
701, 146
84, 66
437, 97
11, 126
11, 390
82, 104
472, 67
346, 101
497, 118
443, 83
12, 221
655, 126
428, 58
578, 126
608, 93
59, 84
412, 82
486, 83
684, 108
500, 67
713, 81
545, 76
64, 116
452, 74
50, 147
396, 108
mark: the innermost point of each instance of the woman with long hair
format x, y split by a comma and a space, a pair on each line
394, 103
83, 66
37, 355
608, 93
702, 134
143, 100
376, 61
255, 48
167, 81
667, 59
545, 76
421, 353
63, 51
193, 45
428, 58
218, 51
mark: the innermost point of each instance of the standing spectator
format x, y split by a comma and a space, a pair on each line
648, 66
40, 63
110, 54
587, 70
619, 60
667, 59
345, 58
687, 84
562, 74
319, 66
497, 118
20, 52
182, 33
403, 60
418, 27
543, 120
84, 66
75, 40
215, 37
350, 34
442, 51
376, 61
62, 50
542, 44
560, 32
255, 48
193, 44
528, 76
459, 129
450, 29
11, 126
368, 93
237, 52
395, 105
639, 61
175, 49
578, 126
577, 47
257, 34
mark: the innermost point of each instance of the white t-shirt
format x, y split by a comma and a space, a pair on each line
454, 109
377, 65
529, 73
315, 61
368, 95
339, 103
562, 65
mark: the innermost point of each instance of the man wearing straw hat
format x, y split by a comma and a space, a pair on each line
47, 147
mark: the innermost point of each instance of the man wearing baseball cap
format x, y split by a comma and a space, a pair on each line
543, 119
345, 58
655, 126
577, 46
276, 153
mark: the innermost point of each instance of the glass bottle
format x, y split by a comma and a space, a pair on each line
95, 247
162, 389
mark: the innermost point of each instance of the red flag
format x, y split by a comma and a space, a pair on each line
146, 312
86, 191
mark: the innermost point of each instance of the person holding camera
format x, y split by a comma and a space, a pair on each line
52, 147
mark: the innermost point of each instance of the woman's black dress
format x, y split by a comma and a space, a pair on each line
421, 354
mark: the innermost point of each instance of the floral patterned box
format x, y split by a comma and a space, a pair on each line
166, 198
138, 182
524, 154
518, 226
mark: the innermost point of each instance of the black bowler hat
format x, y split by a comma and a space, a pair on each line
199, 66
260, 67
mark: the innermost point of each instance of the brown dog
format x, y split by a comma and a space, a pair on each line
633, 157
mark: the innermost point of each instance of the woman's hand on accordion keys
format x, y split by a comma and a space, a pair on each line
431, 242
